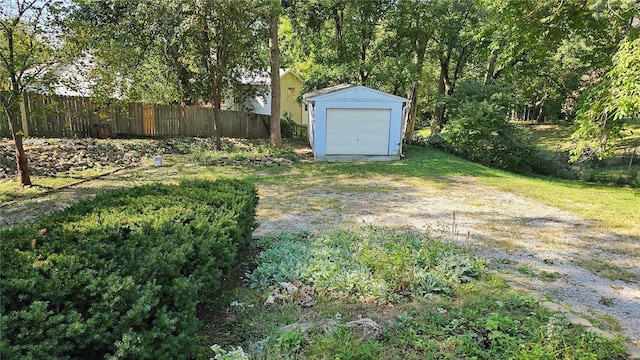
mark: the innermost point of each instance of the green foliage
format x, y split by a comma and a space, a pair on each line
479, 130
342, 344
286, 126
370, 265
495, 325
477, 316
608, 106
204, 153
120, 275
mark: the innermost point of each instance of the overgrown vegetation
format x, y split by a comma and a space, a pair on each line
201, 151
479, 130
374, 265
431, 298
120, 276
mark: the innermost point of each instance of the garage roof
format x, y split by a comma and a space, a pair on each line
335, 90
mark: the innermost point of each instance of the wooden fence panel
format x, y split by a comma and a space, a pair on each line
60, 116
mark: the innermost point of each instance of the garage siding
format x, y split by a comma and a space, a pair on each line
358, 131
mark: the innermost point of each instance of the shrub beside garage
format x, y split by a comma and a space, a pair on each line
120, 275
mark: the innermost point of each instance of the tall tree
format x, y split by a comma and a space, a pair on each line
30, 48
230, 33
453, 48
209, 45
411, 29
347, 45
274, 55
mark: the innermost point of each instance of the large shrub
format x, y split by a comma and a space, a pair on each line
479, 130
119, 276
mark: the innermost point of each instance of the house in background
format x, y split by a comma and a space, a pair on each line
355, 123
290, 87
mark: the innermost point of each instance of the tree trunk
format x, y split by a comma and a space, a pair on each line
274, 52
443, 89
216, 98
491, 68
412, 112
215, 82
11, 110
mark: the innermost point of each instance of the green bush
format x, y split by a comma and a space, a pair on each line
120, 276
479, 130
286, 128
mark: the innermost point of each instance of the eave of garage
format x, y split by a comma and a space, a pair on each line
331, 91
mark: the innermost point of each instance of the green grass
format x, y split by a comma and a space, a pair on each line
610, 209
612, 171
549, 136
11, 189
375, 273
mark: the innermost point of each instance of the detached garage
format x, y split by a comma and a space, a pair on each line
354, 123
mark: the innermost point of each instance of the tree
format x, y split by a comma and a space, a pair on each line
274, 55
143, 49
230, 34
209, 45
30, 48
454, 46
347, 44
412, 31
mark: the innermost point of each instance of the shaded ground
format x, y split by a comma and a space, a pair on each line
547, 249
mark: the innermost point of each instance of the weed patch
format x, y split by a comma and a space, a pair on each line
433, 300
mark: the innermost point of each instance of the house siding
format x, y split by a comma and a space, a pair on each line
288, 103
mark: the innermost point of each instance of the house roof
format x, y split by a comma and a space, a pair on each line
72, 79
335, 90
264, 77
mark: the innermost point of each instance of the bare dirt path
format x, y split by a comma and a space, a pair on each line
548, 250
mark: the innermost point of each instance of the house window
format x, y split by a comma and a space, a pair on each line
291, 94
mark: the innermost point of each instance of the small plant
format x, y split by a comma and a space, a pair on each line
290, 342
233, 354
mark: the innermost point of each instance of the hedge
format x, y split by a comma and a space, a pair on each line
120, 275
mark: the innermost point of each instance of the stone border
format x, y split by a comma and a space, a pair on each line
576, 320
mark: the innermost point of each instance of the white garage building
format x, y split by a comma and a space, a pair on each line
354, 123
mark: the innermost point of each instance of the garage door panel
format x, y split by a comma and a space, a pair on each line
358, 131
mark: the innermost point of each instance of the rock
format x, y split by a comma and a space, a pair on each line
578, 320
365, 329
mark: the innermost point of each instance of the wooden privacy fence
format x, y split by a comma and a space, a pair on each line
62, 116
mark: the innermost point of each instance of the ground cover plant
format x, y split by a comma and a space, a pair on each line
431, 298
120, 276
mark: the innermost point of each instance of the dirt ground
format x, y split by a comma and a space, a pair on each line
544, 248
